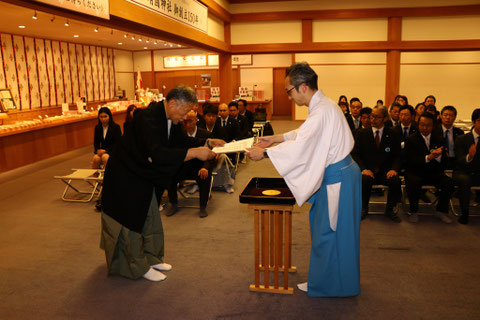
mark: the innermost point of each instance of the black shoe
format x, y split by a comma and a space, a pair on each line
392, 216
463, 219
172, 211
203, 213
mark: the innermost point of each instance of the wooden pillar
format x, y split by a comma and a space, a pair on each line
307, 31
154, 84
392, 83
225, 77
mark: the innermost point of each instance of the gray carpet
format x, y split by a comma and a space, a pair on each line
51, 266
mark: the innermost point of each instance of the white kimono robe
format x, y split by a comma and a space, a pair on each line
323, 139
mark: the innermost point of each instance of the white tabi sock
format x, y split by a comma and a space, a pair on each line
154, 275
162, 267
303, 286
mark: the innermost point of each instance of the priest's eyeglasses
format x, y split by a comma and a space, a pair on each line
289, 90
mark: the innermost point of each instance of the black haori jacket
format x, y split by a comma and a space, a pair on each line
144, 158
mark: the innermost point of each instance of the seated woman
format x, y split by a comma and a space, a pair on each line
129, 116
107, 134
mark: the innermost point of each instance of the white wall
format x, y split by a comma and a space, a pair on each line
441, 28
124, 72
215, 28
260, 32
452, 77
142, 61
349, 30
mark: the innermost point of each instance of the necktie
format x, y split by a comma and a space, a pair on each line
405, 132
223, 125
356, 123
377, 139
447, 142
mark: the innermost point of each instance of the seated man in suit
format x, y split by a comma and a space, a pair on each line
195, 169
365, 117
394, 115
424, 151
377, 153
467, 172
224, 168
404, 129
243, 124
449, 134
228, 123
242, 109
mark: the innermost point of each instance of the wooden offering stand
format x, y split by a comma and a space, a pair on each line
272, 233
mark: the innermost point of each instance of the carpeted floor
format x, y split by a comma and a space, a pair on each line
51, 266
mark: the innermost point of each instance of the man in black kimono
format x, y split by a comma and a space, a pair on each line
147, 157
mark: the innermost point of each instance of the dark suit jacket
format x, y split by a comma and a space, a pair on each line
111, 138
462, 145
204, 134
145, 158
389, 124
397, 130
249, 115
438, 130
351, 125
382, 159
231, 130
416, 151
201, 121
243, 126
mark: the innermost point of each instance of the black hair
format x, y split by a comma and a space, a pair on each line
354, 99
396, 104
403, 97
128, 116
245, 103
209, 108
107, 111
366, 110
475, 114
184, 94
430, 96
341, 103
302, 73
449, 108
409, 108
381, 101
431, 108
233, 104
340, 98
427, 115
420, 104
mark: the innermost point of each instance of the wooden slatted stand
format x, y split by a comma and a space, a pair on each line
273, 234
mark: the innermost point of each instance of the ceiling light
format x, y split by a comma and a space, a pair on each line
96, 29
140, 39
67, 24
21, 27
125, 35
171, 45
147, 41
35, 15
145, 48
120, 43
133, 37
75, 35
178, 45
165, 44
155, 43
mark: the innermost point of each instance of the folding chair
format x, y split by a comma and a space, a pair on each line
93, 178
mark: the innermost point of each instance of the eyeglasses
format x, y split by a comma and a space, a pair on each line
289, 90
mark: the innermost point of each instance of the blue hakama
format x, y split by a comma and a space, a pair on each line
335, 255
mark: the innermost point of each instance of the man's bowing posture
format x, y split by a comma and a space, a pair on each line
316, 164
147, 157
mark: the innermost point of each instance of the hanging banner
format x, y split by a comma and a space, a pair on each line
185, 61
189, 12
97, 8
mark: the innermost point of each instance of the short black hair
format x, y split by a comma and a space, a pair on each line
403, 97
409, 108
184, 94
366, 110
381, 101
245, 103
427, 115
233, 104
341, 103
354, 99
419, 104
449, 108
475, 114
396, 104
301, 72
431, 108
430, 96
209, 108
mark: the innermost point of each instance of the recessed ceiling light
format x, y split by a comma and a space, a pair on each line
21, 27
35, 15
96, 29
155, 43
165, 44
133, 37
67, 23
125, 35
147, 41
145, 48
120, 43
171, 45
179, 45
75, 35
140, 39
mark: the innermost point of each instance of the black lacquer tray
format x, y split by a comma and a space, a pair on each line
252, 193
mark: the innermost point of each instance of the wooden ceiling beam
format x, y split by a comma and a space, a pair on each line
217, 10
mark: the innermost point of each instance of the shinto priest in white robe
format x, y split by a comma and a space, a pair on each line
316, 165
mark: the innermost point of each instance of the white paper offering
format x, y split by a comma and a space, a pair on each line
236, 146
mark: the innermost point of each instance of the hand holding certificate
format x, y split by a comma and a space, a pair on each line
236, 146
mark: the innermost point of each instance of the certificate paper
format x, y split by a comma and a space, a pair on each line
236, 146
